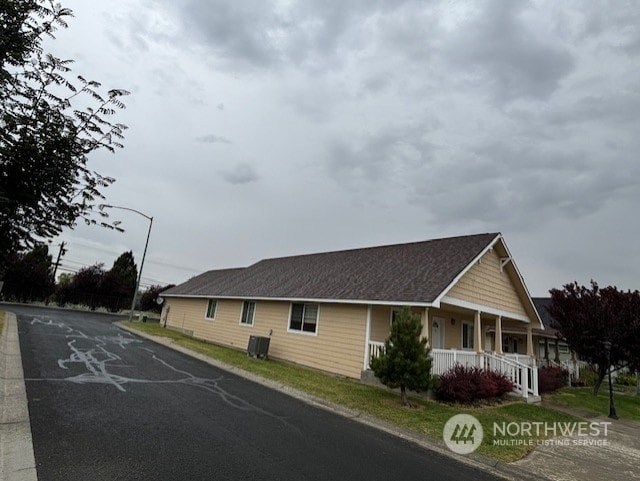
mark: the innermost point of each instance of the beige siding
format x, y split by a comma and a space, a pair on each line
452, 324
186, 313
485, 284
337, 347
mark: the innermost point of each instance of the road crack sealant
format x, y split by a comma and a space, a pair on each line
96, 355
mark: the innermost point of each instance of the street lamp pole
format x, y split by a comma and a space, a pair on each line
612, 407
144, 254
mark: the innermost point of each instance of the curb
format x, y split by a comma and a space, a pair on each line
17, 461
484, 463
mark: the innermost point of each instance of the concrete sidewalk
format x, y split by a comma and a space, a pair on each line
618, 460
17, 462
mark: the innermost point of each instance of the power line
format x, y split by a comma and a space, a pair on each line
149, 260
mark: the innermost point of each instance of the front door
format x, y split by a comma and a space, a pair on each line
437, 333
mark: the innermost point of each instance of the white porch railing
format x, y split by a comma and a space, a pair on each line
375, 349
521, 370
444, 359
524, 375
573, 367
520, 358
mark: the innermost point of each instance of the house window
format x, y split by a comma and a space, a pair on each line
304, 318
248, 313
211, 309
563, 348
510, 344
467, 335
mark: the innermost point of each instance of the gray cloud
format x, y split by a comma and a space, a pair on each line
499, 47
213, 139
382, 121
382, 158
242, 173
264, 34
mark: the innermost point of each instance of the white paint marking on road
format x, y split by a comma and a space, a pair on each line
96, 359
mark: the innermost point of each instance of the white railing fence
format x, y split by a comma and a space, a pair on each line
375, 349
521, 370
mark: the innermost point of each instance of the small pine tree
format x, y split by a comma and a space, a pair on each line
405, 362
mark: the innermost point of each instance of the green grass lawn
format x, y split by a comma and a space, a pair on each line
427, 417
627, 405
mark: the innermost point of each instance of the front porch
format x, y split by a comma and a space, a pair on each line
466, 337
522, 370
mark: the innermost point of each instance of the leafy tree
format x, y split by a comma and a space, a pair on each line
119, 282
86, 285
29, 276
588, 317
64, 288
405, 362
148, 298
48, 127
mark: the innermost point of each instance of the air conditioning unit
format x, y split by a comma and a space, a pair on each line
258, 346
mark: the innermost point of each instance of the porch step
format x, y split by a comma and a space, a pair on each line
529, 400
368, 377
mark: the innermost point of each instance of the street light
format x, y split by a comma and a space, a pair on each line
612, 408
135, 293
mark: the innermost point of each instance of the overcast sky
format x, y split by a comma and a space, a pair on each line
260, 129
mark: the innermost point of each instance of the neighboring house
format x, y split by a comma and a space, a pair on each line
332, 311
553, 349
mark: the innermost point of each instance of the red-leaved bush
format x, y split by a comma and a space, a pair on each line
467, 384
552, 378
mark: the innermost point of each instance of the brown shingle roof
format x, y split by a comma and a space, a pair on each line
415, 272
203, 284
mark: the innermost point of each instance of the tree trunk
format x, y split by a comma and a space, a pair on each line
602, 372
403, 395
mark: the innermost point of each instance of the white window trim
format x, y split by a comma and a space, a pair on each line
253, 314
206, 310
301, 332
463, 325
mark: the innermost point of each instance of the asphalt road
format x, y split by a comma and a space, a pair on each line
106, 405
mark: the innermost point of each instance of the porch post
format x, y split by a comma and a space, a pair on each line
425, 325
546, 350
530, 342
557, 351
498, 339
367, 338
477, 332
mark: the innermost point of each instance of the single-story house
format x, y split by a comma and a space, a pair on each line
333, 310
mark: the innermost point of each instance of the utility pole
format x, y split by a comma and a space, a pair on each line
61, 252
